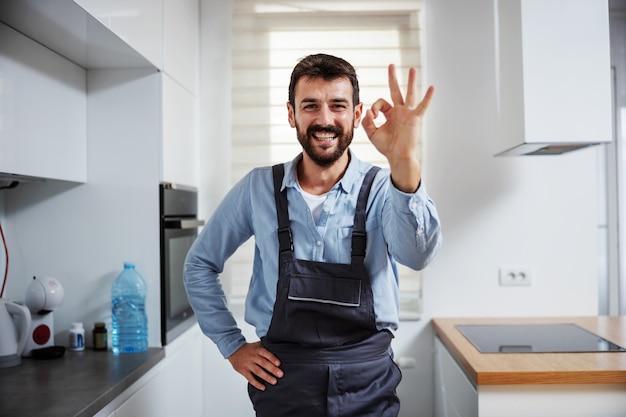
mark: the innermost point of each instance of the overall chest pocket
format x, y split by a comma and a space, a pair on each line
375, 260
326, 290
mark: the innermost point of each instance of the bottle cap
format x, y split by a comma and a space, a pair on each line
99, 324
77, 325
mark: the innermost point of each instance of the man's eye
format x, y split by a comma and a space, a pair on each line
309, 107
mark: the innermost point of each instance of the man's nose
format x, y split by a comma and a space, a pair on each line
325, 116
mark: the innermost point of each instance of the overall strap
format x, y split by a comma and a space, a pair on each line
285, 240
359, 239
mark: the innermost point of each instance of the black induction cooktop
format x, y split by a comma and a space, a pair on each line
535, 338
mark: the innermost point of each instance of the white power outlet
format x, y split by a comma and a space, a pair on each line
515, 276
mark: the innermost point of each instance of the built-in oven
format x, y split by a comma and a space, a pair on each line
179, 228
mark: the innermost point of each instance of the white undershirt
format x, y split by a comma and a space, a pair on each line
315, 203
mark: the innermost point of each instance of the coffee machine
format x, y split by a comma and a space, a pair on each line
43, 296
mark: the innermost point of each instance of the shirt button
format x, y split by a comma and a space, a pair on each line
318, 242
413, 205
326, 209
420, 231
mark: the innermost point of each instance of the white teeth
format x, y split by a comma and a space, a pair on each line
325, 136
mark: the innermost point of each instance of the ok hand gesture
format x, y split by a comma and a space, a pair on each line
397, 139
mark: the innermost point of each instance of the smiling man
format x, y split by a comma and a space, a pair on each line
328, 232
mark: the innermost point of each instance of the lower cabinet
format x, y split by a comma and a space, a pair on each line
455, 395
172, 388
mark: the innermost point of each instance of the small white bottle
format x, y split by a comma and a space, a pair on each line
77, 337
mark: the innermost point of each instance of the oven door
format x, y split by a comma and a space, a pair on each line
176, 313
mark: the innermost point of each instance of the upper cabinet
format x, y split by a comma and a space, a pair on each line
181, 23
43, 111
67, 29
48, 51
139, 23
165, 32
554, 75
180, 163
180, 159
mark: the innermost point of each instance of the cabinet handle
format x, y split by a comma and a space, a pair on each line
183, 223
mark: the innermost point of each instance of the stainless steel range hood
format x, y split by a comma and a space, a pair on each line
553, 75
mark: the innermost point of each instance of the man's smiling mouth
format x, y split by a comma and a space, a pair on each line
324, 136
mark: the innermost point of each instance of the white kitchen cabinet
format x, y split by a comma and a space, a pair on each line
180, 137
99, 9
455, 395
173, 387
43, 111
165, 32
181, 39
68, 29
167, 35
176, 390
138, 22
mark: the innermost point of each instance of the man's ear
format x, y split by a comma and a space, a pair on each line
358, 112
291, 115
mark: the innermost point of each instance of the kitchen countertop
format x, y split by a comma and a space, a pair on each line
78, 384
538, 368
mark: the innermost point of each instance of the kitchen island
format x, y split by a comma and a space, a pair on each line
471, 383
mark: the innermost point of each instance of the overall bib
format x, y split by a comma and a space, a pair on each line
323, 330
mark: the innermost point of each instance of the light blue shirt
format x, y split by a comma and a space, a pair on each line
400, 227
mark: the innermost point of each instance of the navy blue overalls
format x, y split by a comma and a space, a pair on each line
323, 330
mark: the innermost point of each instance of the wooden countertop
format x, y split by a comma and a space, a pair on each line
538, 368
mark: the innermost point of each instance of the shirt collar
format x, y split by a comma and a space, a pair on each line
356, 170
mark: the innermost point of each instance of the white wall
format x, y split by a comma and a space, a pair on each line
538, 212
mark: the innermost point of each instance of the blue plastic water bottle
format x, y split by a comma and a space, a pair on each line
130, 322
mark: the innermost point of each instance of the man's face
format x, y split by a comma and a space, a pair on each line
324, 117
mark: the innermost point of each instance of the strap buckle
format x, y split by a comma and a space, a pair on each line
358, 244
285, 241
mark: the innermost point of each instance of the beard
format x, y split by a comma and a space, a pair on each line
324, 157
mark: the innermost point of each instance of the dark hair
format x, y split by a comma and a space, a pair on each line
327, 67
